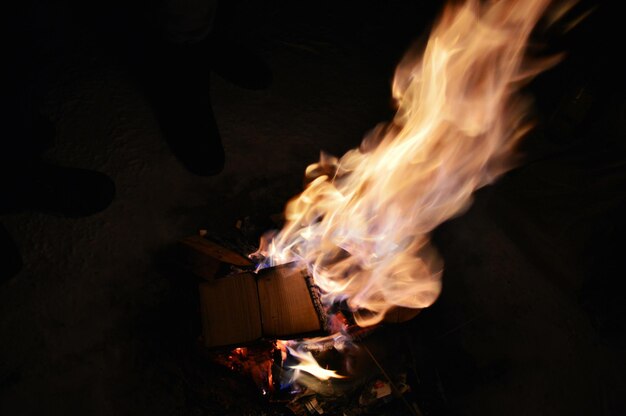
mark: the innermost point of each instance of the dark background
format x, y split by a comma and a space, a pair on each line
531, 319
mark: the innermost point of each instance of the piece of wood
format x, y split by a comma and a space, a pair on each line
230, 310
243, 307
203, 257
286, 305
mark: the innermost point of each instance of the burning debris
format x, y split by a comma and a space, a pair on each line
296, 372
319, 391
254, 362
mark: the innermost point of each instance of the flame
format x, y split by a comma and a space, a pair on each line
306, 362
362, 224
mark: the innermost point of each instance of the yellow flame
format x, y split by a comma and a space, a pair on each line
362, 226
308, 364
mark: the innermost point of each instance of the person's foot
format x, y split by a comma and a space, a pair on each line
39, 186
176, 78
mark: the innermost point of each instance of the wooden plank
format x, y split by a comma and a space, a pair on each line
215, 251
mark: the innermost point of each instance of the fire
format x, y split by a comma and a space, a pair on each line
306, 362
362, 224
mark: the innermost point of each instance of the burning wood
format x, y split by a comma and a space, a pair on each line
208, 259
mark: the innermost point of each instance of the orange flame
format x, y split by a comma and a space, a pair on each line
362, 225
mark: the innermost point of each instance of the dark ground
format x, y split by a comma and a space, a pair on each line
531, 319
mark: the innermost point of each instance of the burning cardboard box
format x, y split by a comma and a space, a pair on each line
278, 302
243, 306
240, 306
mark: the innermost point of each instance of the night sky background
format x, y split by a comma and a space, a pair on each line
98, 321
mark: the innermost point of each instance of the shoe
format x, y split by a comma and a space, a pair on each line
39, 186
176, 80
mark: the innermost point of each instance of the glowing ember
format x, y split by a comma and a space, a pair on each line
256, 363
